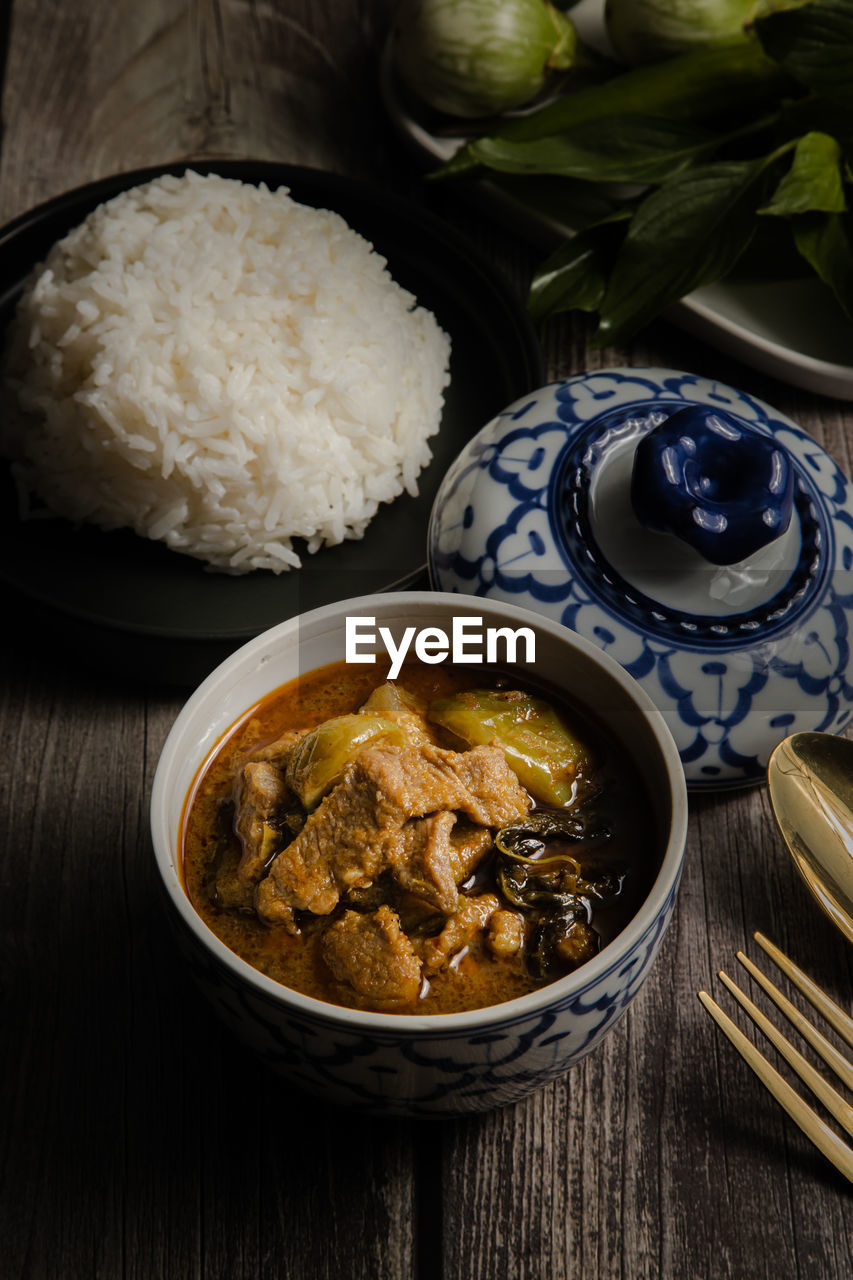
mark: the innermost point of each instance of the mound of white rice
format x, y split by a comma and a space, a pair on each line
221, 368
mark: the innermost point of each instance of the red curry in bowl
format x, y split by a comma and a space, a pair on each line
439, 843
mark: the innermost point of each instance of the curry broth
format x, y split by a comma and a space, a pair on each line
474, 977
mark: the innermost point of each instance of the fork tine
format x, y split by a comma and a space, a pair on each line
833, 1059
836, 1017
824, 1138
833, 1101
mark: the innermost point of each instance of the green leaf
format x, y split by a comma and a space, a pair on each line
814, 180
814, 45
733, 81
556, 202
621, 149
686, 234
459, 164
825, 240
735, 78
574, 277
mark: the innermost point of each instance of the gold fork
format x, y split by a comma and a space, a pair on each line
823, 1137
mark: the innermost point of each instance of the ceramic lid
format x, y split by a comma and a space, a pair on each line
690, 530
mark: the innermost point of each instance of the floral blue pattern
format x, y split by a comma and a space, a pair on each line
513, 521
443, 1071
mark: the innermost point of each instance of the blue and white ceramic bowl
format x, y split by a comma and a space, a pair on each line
447, 1062
737, 645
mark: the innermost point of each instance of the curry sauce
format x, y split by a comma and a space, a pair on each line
404, 882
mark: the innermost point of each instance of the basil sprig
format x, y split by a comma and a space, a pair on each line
684, 235
714, 144
815, 180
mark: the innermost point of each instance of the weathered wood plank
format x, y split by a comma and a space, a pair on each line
103, 88
140, 1140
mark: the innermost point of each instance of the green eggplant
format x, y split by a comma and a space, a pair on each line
473, 58
546, 757
318, 760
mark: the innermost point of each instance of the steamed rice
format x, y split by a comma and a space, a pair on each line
222, 369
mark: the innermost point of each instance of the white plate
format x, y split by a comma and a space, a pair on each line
794, 330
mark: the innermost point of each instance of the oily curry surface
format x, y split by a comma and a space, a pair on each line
428, 845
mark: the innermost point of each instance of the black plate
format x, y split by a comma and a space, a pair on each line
125, 601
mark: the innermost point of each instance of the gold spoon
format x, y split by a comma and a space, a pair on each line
810, 778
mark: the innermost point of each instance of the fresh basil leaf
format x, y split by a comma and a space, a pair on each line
825, 240
460, 164
814, 44
639, 149
734, 79
574, 277
727, 83
552, 202
686, 234
814, 180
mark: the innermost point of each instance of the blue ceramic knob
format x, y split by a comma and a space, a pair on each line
537, 510
715, 482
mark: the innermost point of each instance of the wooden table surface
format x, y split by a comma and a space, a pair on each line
137, 1138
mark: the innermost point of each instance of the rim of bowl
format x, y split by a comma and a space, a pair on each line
421, 1024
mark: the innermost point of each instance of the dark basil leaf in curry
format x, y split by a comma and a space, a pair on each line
561, 942
551, 886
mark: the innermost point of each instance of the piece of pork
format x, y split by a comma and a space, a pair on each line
262, 795
354, 834
433, 856
469, 845
506, 933
470, 918
414, 781
231, 889
422, 859
341, 846
372, 955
